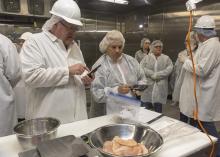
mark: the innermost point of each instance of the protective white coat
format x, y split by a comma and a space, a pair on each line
20, 98
9, 75
177, 78
207, 64
52, 92
139, 55
110, 75
161, 67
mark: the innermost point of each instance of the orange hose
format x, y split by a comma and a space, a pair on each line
195, 112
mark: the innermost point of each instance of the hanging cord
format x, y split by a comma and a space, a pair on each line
196, 109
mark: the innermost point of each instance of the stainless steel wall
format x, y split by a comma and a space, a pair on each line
169, 24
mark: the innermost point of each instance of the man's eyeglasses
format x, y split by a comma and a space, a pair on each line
69, 26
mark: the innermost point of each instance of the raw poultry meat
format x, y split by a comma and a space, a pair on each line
123, 147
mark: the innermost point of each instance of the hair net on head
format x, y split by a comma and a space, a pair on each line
25, 35
155, 43
52, 21
206, 32
143, 41
111, 37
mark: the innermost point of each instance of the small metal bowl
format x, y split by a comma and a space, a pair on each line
31, 132
141, 134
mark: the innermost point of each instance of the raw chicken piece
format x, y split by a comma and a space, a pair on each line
107, 147
129, 142
122, 147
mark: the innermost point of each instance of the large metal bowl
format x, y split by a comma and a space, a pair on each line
141, 134
31, 132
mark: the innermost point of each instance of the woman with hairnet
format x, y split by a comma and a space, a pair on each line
117, 73
178, 73
52, 66
145, 49
157, 68
207, 69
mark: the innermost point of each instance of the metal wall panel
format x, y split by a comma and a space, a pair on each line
170, 26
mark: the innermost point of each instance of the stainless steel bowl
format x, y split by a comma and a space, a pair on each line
141, 134
32, 132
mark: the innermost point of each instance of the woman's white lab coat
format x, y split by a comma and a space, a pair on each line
9, 75
161, 67
111, 75
207, 64
51, 91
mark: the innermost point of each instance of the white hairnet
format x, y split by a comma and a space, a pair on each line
143, 41
206, 32
111, 37
154, 44
25, 35
52, 21
157, 43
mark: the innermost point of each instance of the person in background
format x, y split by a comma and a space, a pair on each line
157, 68
19, 89
145, 49
118, 72
207, 66
53, 64
24, 36
10, 74
178, 74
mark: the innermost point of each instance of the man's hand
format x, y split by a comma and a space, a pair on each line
87, 80
77, 69
124, 89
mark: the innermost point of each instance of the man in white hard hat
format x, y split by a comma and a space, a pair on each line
52, 64
207, 65
9, 76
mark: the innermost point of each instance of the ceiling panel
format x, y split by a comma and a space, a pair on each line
136, 5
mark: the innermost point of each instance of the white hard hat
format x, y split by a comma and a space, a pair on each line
205, 21
25, 35
67, 10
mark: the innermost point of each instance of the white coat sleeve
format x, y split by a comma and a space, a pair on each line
148, 72
98, 89
167, 71
12, 64
206, 61
137, 57
35, 71
140, 73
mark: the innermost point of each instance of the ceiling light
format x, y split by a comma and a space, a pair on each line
140, 26
147, 2
116, 1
